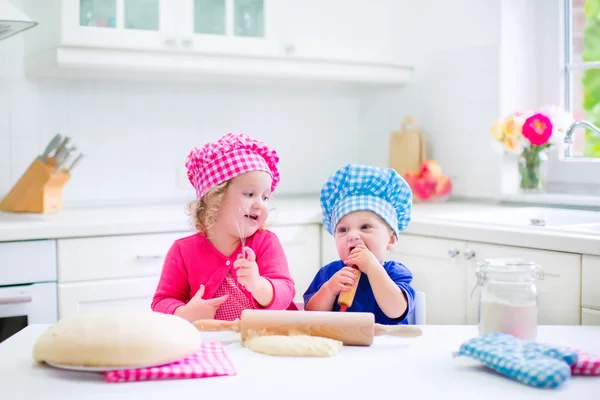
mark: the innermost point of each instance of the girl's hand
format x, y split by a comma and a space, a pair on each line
199, 308
342, 281
363, 258
247, 270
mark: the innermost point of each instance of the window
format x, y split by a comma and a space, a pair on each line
582, 72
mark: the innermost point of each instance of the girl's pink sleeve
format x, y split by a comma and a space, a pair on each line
272, 265
173, 288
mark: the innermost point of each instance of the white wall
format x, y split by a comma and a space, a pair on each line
136, 136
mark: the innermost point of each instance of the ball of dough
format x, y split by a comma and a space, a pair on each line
294, 345
117, 340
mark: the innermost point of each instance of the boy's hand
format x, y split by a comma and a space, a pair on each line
247, 270
199, 308
342, 281
363, 258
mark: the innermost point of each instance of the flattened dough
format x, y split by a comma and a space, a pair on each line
294, 345
117, 339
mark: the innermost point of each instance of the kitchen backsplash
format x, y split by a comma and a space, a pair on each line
136, 135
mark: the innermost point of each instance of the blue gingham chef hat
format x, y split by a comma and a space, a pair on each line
366, 188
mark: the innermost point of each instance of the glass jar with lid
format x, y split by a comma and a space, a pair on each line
508, 302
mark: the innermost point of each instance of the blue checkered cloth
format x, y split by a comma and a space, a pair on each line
366, 188
535, 364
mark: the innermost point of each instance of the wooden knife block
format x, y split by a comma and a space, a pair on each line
39, 190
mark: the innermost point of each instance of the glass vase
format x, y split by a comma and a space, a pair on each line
533, 167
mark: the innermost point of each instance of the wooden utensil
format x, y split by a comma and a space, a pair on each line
407, 147
351, 328
345, 299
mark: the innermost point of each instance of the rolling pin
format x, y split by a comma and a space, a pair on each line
352, 329
345, 299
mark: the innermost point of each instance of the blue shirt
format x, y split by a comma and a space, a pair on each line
364, 299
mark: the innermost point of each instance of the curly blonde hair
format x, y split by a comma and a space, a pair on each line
204, 210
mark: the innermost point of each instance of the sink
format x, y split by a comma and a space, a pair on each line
588, 221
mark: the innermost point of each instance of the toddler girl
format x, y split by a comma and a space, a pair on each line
210, 274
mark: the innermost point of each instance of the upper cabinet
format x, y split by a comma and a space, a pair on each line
350, 41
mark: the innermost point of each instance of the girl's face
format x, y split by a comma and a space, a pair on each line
245, 204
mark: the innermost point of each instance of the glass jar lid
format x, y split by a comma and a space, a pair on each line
510, 269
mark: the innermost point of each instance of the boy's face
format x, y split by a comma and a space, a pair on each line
367, 228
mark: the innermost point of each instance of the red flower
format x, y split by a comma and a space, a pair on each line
537, 129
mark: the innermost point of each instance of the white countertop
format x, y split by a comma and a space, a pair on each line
392, 368
428, 220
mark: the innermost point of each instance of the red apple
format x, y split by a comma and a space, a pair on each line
443, 187
410, 177
430, 169
424, 188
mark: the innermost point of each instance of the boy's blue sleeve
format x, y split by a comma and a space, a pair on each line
324, 274
403, 278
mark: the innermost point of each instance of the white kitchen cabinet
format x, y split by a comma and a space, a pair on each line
559, 293
590, 317
439, 272
445, 269
354, 31
348, 41
212, 26
131, 294
301, 246
590, 282
110, 257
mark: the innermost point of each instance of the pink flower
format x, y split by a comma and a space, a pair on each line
537, 129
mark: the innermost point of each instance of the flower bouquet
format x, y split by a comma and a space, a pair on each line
530, 134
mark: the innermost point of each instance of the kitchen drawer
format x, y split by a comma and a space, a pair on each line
590, 317
27, 262
113, 295
85, 259
590, 282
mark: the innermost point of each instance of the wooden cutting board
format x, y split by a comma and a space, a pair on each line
407, 147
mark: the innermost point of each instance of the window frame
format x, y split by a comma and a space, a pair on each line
578, 170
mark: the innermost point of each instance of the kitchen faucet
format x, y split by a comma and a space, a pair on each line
569, 135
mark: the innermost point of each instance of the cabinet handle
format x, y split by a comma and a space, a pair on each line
149, 257
187, 41
289, 48
15, 300
453, 252
469, 254
170, 42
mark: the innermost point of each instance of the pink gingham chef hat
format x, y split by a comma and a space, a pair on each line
230, 156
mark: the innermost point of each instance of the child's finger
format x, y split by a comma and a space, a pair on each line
217, 300
251, 256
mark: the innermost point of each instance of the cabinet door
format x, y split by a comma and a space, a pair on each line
133, 294
301, 246
439, 272
127, 24
328, 251
109, 257
590, 282
241, 27
356, 31
590, 317
559, 293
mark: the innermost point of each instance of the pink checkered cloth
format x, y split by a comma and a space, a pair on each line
230, 156
587, 364
209, 361
236, 302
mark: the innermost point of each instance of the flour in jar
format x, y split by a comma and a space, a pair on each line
519, 320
